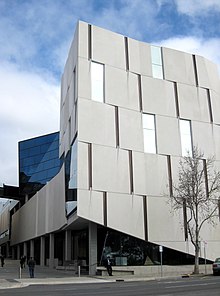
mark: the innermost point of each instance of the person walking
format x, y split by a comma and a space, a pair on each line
2, 260
31, 265
109, 266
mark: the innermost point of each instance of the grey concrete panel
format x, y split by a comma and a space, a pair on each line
208, 75
216, 135
130, 130
193, 102
84, 78
110, 169
24, 222
81, 36
156, 174
108, 48
82, 166
202, 134
90, 205
150, 174
178, 66
121, 88
4, 219
139, 173
96, 123
160, 220
158, 96
125, 214
139, 57
168, 135
215, 103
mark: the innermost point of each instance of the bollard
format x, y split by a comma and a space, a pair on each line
79, 270
19, 271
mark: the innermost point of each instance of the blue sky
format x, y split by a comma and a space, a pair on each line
35, 36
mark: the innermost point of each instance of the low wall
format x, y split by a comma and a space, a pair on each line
155, 270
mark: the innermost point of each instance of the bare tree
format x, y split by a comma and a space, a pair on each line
197, 192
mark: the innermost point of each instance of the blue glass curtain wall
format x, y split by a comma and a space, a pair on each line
38, 162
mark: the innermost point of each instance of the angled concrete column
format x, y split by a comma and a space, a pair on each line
25, 249
42, 251
18, 252
32, 248
13, 252
92, 248
67, 245
51, 251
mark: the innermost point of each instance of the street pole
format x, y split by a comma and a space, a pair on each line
161, 260
205, 255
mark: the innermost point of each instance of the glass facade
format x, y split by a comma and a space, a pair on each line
149, 133
186, 138
157, 63
71, 179
38, 162
124, 249
97, 82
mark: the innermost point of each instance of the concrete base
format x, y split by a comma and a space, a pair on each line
154, 270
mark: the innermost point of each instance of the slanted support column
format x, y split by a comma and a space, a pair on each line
67, 245
32, 248
18, 252
51, 251
25, 249
92, 248
42, 251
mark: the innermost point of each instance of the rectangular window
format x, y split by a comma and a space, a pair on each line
97, 82
157, 63
149, 133
186, 138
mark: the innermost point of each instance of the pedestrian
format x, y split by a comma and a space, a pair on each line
22, 261
109, 266
2, 260
31, 265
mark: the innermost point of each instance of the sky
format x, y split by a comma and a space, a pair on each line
35, 36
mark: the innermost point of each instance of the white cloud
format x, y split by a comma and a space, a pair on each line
208, 48
196, 7
29, 108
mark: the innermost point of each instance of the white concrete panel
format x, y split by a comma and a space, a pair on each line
84, 78
83, 166
110, 169
42, 211
150, 174
178, 66
158, 96
4, 219
163, 225
215, 102
202, 134
24, 225
216, 136
55, 198
96, 123
108, 48
193, 102
125, 213
90, 205
121, 88
81, 36
208, 75
168, 135
139, 173
139, 57
156, 174
130, 130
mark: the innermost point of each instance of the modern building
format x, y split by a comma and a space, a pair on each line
129, 112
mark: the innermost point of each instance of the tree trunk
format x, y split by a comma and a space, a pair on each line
196, 266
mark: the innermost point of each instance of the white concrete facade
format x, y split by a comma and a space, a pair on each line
119, 185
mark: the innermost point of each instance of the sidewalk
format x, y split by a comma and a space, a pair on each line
10, 276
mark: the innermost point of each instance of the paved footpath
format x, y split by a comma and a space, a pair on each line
12, 277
